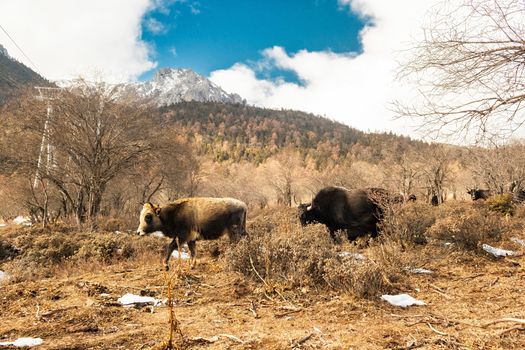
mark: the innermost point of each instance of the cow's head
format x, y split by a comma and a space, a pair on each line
474, 193
149, 220
306, 214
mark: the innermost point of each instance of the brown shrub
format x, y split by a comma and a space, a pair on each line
122, 222
41, 251
502, 203
408, 223
278, 250
105, 249
467, 226
520, 212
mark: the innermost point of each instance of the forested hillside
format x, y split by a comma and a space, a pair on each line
15, 76
240, 132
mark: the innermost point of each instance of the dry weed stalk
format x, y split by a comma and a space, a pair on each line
517, 321
174, 329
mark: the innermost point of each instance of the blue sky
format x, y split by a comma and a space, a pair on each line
207, 35
334, 58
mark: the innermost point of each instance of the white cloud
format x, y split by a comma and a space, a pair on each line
353, 88
154, 26
69, 38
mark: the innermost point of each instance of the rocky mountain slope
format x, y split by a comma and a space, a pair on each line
174, 85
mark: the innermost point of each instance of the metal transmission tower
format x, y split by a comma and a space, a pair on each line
46, 149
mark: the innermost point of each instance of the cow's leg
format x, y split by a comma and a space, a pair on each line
173, 245
374, 232
193, 253
335, 238
352, 234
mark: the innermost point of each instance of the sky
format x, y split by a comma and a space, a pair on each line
335, 58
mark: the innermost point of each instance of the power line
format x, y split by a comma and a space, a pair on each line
19, 48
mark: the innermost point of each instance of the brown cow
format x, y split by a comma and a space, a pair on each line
192, 219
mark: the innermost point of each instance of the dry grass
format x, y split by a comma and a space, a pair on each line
278, 250
37, 253
468, 226
304, 283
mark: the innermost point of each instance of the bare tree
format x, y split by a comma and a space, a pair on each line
436, 171
93, 138
283, 173
404, 173
499, 167
470, 69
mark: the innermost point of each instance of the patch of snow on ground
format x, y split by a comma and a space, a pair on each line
497, 251
3, 276
22, 220
419, 270
402, 300
3, 225
183, 255
158, 234
129, 299
23, 342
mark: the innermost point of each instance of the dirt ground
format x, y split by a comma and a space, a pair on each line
217, 309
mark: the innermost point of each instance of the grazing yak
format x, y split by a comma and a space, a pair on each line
355, 211
476, 193
192, 219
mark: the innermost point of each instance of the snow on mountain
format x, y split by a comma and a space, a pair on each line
168, 86
173, 85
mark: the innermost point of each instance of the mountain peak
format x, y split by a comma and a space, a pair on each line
170, 74
174, 85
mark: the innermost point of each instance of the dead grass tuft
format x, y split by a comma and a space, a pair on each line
36, 253
278, 250
408, 223
468, 226
502, 203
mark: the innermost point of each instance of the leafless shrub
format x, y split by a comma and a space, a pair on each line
40, 252
467, 226
408, 223
469, 69
279, 250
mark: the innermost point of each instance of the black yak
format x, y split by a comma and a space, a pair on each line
355, 211
476, 193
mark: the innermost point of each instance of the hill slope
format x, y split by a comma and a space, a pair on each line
241, 132
15, 76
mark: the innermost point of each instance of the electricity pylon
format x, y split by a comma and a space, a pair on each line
46, 149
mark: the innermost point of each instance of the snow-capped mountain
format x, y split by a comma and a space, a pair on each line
173, 85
